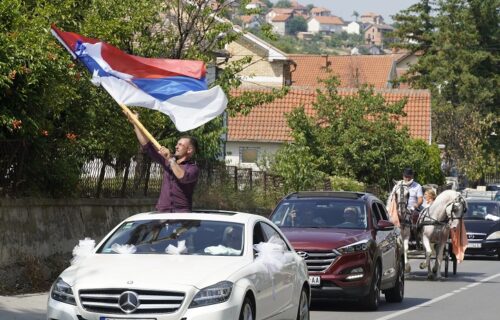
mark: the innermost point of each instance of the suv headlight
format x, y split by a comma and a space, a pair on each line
354, 247
61, 291
493, 236
217, 293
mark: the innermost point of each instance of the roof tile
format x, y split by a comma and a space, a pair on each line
267, 123
352, 71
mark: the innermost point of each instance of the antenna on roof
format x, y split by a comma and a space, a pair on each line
327, 62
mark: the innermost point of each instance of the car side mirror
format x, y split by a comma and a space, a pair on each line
385, 225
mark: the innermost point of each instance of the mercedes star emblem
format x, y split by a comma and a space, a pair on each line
128, 301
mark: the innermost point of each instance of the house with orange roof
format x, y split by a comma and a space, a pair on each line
279, 23
320, 12
269, 66
352, 71
298, 8
325, 24
278, 11
256, 4
404, 60
264, 130
377, 34
250, 21
371, 18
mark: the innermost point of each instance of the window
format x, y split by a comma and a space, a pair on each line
249, 155
383, 211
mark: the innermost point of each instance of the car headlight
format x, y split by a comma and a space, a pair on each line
493, 236
61, 291
217, 293
354, 247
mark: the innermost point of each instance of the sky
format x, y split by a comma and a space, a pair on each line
344, 8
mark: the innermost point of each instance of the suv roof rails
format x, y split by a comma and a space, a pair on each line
326, 194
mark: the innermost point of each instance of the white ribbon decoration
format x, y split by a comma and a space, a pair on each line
222, 250
272, 255
181, 248
83, 249
123, 248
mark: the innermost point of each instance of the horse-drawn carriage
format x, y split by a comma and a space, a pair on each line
439, 226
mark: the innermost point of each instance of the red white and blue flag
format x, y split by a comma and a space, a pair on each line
176, 88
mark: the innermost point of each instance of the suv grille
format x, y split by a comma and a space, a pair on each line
318, 261
107, 301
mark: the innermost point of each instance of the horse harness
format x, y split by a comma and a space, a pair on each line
451, 208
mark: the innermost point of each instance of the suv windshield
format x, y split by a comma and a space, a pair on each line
321, 213
189, 237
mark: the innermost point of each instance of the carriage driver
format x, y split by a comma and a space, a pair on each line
416, 196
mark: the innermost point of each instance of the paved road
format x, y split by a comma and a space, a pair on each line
472, 293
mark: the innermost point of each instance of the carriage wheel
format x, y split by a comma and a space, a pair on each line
446, 261
453, 258
446, 254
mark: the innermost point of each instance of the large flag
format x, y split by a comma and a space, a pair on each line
177, 88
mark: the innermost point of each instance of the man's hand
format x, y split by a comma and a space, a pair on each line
165, 153
131, 116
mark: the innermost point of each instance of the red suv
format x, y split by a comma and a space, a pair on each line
351, 249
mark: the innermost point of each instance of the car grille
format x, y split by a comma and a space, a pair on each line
107, 301
318, 261
476, 236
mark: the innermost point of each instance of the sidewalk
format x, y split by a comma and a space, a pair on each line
24, 307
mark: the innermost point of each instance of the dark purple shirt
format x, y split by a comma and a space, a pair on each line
176, 195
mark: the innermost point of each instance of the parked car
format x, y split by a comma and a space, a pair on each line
482, 222
351, 249
185, 266
493, 187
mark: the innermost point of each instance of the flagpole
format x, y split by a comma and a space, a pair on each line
139, 125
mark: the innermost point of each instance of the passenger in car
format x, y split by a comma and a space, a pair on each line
350, 218
307, 218
232, 238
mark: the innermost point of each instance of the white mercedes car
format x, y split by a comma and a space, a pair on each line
185, 266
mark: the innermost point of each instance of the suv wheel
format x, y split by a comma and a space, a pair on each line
372, 299
396, 293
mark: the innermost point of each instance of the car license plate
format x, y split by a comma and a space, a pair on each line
473, 245
107, 318
315, 280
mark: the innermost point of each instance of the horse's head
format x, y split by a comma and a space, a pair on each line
450, 205
402, 193
456, 208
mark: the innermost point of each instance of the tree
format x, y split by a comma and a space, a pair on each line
355, 14
353, 136
283, 4
268, 3
296, 25
58, 120
459, 63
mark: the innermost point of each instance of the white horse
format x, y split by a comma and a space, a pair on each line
436, 221
400, 215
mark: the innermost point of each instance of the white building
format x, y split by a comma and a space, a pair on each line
322, 24
352, 28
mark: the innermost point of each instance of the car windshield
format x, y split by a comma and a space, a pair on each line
187, 237
344, 214
483, 211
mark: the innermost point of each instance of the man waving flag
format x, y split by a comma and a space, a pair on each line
176, 88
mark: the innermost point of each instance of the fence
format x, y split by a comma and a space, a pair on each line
138, 177
143, 179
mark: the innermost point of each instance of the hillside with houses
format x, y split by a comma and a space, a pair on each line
300, 24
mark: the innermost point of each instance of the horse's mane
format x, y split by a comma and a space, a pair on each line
438, 207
